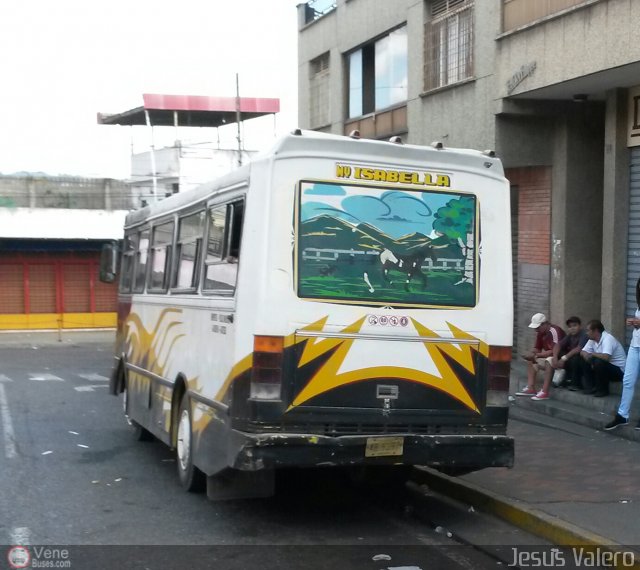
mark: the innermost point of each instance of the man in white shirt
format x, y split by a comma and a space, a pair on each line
604, 360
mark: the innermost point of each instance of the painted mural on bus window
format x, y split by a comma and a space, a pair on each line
382, 246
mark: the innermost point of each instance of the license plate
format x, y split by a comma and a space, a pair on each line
384, 446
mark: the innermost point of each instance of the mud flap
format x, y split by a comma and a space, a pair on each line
115, 383
233, 484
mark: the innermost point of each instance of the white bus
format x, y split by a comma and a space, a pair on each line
337, 302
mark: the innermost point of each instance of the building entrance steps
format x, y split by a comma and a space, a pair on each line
574, 407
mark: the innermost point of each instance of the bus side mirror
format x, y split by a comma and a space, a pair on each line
109, 262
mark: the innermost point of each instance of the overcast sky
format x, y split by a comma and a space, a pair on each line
63, 61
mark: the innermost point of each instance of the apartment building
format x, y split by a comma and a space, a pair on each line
553, 86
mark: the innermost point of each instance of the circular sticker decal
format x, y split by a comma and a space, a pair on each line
19, 557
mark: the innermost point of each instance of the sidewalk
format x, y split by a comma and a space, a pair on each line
571, 484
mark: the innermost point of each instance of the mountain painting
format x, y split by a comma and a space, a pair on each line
376, 246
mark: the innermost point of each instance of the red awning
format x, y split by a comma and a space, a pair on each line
192, 111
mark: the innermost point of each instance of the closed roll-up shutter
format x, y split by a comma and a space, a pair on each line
42, 288
12, 287
76, 288
633, 247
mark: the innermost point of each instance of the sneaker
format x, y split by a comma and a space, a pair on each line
541, 396
526, 391
618, 420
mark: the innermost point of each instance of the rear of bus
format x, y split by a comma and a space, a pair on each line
375, 306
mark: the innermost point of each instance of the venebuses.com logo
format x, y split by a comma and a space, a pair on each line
38, 557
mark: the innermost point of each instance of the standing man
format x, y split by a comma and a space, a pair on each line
631, 370
541, 355
604, 360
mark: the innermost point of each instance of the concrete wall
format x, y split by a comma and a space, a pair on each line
64, 192
524, 140
600, 36
577, 215
615, 213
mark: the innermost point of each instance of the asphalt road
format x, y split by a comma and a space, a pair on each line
71, 474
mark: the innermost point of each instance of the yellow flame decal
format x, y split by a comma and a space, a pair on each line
327, 378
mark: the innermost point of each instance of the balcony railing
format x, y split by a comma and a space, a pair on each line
315, 9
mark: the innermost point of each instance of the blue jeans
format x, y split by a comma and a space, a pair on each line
631, 370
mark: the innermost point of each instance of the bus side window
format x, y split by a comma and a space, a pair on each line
223, 248
160, 257
237, 217
190, 230
128, 259
141, 262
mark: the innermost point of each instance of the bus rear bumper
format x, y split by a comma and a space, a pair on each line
250, 452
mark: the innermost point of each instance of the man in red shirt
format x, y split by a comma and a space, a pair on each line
541, 356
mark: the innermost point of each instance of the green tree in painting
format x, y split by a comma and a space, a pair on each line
455, 221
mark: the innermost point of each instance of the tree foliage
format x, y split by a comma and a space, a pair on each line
455, 219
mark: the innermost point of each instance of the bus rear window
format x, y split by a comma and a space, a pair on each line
385, 246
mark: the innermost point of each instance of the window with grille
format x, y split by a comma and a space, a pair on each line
378, 74
448, 43
319, 92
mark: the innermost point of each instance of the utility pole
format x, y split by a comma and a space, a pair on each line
238, 120
153, 157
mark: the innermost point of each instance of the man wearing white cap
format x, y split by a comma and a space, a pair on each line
541, 355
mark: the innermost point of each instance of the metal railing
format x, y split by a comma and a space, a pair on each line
315, 9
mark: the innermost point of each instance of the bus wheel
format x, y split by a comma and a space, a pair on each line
191, 478
139, 433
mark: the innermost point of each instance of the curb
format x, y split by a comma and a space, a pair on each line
529, 519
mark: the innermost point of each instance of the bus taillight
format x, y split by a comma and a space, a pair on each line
498, 375
266, 374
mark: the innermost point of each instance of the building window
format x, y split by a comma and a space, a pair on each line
448, 43
320, 100
378, 74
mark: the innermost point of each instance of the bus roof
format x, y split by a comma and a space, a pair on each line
312, 144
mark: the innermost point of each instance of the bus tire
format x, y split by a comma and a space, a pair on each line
191, 478
139, 433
